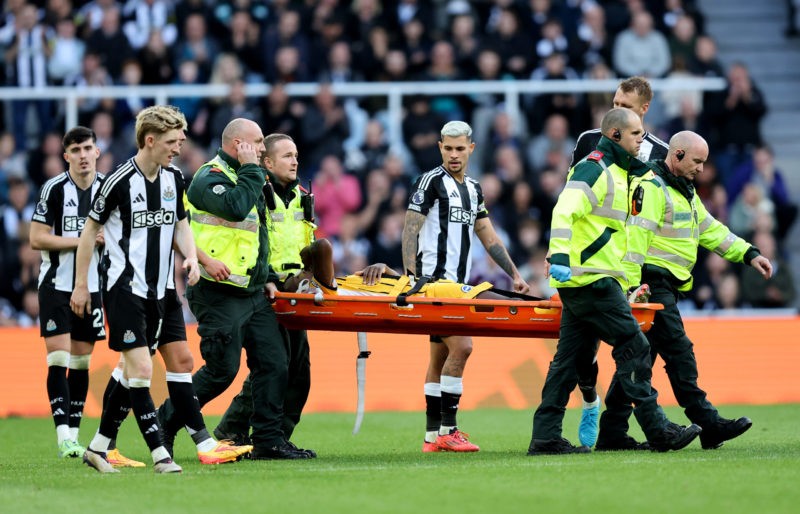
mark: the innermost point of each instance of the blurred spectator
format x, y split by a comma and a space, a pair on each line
372, 152
13, 163
421, 133
400, 13
336, 194
331, 31
727, 292
387, 247
416, 45
14, 217
26, 67
736, 117
778, 290
509, 166
90, 15
704, 61
503, 131
372, 56
683, 39
366, 15
339, 66
142, 17
197, 46
591, 43
281, 114
50, 146
185, 8
157, 61
126, 109
66, 59
92, 74
597, 103
555, 138
443, 68
324, 128
674, 10
245, 41
712, 192
641, 50
350, 248
466, 42
748, 208
235, 105
542, 106
286, 33
28, 317
188, 74
515, 47
761, 171
552, 39
110, 43
103, 126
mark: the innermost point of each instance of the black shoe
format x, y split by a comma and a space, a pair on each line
236, 439
675, 437
625, 442
282, 451
555, 447
311, 453
723, 430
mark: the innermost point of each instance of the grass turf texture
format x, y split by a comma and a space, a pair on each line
383, 470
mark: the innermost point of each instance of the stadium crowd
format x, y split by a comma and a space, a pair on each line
360, 178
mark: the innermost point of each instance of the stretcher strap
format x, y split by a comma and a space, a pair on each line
402, 298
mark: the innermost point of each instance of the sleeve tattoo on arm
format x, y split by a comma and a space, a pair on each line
499, 254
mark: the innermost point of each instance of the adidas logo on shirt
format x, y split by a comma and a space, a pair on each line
454, 194
71, 203
139, 198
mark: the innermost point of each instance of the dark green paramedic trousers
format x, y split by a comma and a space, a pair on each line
599, 310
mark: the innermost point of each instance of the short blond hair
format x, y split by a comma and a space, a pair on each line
158, 120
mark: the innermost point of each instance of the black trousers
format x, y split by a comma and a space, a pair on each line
227, 324
599, 310
236, 419
668, 340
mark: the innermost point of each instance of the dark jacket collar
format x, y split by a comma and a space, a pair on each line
281, 190
682, 185
615, 153
230, 161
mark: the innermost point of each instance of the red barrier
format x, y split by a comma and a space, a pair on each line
751, 361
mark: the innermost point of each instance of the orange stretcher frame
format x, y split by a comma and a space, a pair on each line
451, 316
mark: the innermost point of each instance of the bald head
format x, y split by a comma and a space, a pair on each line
624, 127
236, 129
688, 151
241, 130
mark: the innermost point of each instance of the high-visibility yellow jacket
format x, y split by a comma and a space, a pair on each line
670, 225
227, 209
289, 231
588, 228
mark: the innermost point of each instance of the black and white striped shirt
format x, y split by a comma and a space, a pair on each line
139, 218
64, 206
652, 147
451, 209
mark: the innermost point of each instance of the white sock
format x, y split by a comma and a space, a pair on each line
159, 454
100, 443
452, 385
443, 430
73, 433
62, 433
591, 405
207, 445
430, 437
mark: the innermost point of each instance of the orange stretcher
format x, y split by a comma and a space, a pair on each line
450, 316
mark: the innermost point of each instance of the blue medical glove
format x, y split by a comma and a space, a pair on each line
560, 272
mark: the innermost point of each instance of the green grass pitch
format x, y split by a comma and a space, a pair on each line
381, 470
